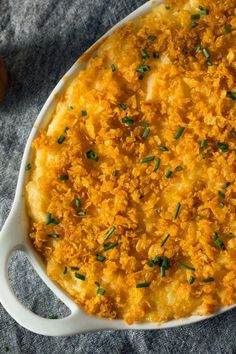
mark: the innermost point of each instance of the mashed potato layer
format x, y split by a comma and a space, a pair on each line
131, 191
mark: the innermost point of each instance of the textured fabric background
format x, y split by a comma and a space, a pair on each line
40, 40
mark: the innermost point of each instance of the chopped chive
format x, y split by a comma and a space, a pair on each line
80, 213
66, 129
198, 48
84, 113
146, 133
155, 55
100, 258
61, 139
208, 280
152, 38
64, 177
222, 204
144, 54
143, 68
28, 167
227, 28
80, 276
122, 106
143, 285
176, 213
168, 173
77, 203
179, 133
163, 272
182, 265
65, 270
92, 155
203, 11
148, 159
203, 144
53, 317
127, 120
157, 260
48, 219
178, 168
116, 173
113, 68
157, 164
206, 52
109, 246
74, 268
163, 148
232, 95
165, 240
195, 17
97, 283
191, 280
209, 63
194, 24
101, 291
221, 194
109, 233
222, 146
218, 242
158, 210
53, 235
144, 124
165, 263
225, 185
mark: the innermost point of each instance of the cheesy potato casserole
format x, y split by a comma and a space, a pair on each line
131, 190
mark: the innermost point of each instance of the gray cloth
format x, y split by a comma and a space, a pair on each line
40, 40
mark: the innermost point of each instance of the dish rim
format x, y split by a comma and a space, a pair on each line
17, 221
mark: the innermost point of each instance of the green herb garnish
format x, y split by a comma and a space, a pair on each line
148, 159
198, 48
61, 139
163, 148
179, 133
53, 317
80, 276
176, 213
92, 155
227, 28
116, 173
221, 194
53, 235
165, 240
122, 106
194, 24
64, 177
83, 113
152, 38
218, 242
164, 266
157, 260
225, 185
28, 167
209, 63
113, 68
195, 17
143, 68
232, 95
144, 54
203, 11
157, 164
65, 270
206, 52
203, 144
74, 268
191, 280
109, 233
208, 280
81, 213
222, 146
50, 220
66, 129
109, 246
168, 173
182, 265
178, 168
100, 258
155, 55
143, 285
127, 120
101, 291
146, 133
77, 203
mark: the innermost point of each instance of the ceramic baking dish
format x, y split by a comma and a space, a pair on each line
14, 236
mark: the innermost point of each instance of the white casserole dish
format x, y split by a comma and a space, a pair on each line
14, 236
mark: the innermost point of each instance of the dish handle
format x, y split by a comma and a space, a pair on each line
72, 324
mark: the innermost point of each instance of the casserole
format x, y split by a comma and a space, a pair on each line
78, 320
